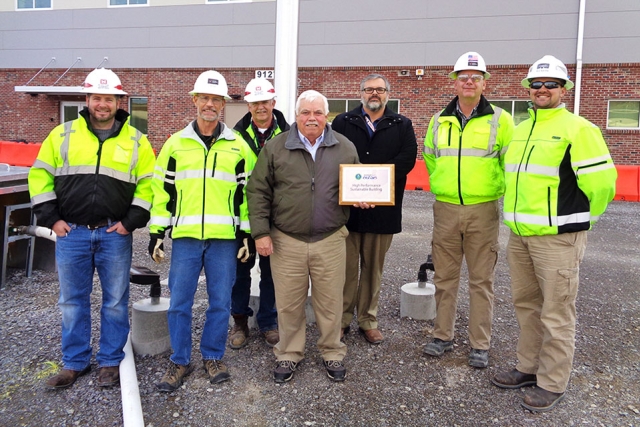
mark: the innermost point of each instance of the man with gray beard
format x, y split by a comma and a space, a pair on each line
381, 136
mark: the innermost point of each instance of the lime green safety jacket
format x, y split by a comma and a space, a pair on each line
559, 174
82, 180
199, 192
466, 165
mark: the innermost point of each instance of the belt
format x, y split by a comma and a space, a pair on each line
102, 223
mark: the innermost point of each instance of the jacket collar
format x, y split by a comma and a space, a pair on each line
120, 117
190, 133
546, 113
484, 108
293, 141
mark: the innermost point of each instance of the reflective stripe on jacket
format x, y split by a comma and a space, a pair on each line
199, 193
559, 174
466, 165
81, 180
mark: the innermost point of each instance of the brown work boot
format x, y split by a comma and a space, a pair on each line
108, 376
271, 337
540, 400
239, 336
513, 379
216, 371
65, 378
174, 377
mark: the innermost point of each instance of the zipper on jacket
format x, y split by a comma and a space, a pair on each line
204, 191
97, 174
459, 167
178, 208
549, 205
526, 164
604, 162
215, 162
524, 152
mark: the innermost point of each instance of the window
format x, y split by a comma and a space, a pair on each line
33, 4
128, 2
337, 106
139, 116
623, 115
518, 109
69, 110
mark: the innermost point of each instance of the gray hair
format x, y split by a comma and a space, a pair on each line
373, 77
312, 95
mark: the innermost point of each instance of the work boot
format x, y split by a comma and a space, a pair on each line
174, 376
239, 336
271, 337
540, 400
65, 378
216, 371
108, 376
437, 347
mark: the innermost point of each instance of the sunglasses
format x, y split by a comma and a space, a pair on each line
465, 77
548, 85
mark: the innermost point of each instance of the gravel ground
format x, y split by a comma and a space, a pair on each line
392, 384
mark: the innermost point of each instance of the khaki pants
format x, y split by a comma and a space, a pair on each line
544, 284
365, 255
293, 262
469, 231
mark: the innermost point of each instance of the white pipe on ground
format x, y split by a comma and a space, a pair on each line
131, 405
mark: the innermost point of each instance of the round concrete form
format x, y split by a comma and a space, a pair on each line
149, 327
418, 303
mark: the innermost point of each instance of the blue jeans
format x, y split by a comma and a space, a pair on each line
78, 255
188, 257
267, 317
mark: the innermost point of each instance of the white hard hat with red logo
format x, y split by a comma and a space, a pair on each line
211, 83
470, 61
548, 66
259, 90
102, 81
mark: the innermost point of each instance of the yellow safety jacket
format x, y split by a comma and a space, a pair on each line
466, 165
559, 174
200, 192
79, 179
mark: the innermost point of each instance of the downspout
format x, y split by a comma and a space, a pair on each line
286, 70
578, 82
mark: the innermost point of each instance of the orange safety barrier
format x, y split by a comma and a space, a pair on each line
18, 153
628, 183
418, 178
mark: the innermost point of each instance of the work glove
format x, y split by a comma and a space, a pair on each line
156, 247
247, 247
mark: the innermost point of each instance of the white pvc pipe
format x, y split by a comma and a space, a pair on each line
34, 230
131, 405
286, 69
578, 82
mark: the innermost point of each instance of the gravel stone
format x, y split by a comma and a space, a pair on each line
391, 384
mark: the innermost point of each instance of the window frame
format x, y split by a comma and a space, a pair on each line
513, 107
128, 4
132, 120
621, 127
33, 2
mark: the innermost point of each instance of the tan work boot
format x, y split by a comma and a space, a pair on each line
239, 336
216, 371
174, 377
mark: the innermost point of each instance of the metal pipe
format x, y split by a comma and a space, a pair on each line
286, 69
578, 82
53, 59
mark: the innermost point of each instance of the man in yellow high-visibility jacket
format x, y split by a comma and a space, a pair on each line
91, 184
464, 150
559, 180
198, 195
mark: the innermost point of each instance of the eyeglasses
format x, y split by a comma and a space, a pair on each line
548, 85
205, 99
378, 90
465, 77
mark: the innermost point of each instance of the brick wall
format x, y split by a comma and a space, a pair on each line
170, 108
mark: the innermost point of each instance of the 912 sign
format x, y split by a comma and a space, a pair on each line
265, 74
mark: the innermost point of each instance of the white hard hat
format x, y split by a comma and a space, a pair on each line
470, 61
259, 90
102, 81
211, 83
548, 66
